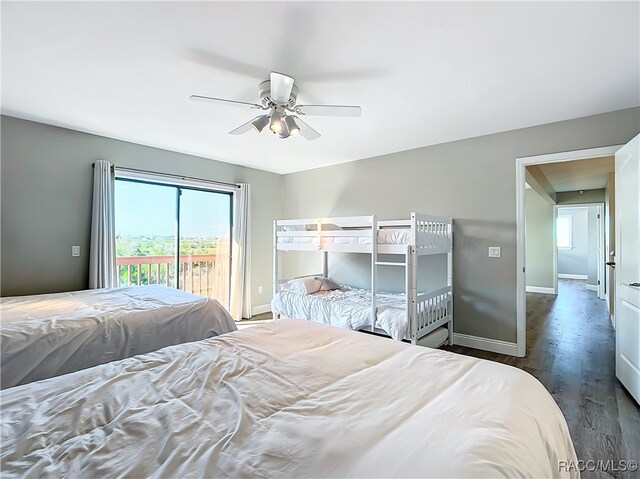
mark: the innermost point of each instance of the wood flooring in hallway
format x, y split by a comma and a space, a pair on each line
571, 351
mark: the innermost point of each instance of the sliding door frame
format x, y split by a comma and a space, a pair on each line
179, 185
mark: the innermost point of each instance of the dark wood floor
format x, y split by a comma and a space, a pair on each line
571, 351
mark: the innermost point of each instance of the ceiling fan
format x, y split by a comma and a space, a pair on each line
278, 96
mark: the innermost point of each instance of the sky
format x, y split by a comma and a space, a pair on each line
143, 209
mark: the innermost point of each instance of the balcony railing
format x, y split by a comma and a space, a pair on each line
201, 274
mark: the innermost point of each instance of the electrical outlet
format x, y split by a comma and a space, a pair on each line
494, 251
259, 289
75, 251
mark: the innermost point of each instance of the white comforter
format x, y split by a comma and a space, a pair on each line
348, 308
52, 334
286, 399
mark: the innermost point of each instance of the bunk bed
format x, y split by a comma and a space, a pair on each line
410, 316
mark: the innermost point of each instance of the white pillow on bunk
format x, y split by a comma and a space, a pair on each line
308, 285
325, 227
298, 228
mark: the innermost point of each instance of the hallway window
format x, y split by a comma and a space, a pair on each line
564, 231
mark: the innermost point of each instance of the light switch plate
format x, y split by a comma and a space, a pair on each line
494, 251
75, 251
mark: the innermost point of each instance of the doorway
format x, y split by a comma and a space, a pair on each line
580, 252
524, 178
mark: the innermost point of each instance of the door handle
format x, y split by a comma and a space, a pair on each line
635, 285
611, 263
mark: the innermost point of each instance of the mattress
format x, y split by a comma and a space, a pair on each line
385, 236
349, 308
286, 399
51, 334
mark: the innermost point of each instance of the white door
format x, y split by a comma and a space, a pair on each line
628, 266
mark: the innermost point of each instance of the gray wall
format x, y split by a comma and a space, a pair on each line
587, 196
46, 203
472, 181
574, 260
539, 227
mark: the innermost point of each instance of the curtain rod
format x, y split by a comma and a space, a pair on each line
169, 175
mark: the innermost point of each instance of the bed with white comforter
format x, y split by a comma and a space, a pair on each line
51, 334
348, 308
286, 399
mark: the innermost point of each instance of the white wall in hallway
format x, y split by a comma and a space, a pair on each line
581, 259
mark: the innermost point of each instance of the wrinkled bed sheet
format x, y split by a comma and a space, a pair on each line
348, 308
286, 399
51, 334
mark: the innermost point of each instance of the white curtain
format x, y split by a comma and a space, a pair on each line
102, 257
240, 306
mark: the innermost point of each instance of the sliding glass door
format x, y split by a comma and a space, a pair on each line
174, 236
146, 233
205, 255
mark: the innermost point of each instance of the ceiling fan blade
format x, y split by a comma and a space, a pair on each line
246, 126
253, 106
305, 130
328, 110
281, 86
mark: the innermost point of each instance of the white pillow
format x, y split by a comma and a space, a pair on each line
304, 286
313, 227
297, 228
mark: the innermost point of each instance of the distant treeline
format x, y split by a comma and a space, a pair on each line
163, 245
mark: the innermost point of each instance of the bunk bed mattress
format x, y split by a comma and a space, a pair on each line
51, 334
287, 399
349, 308
385, 236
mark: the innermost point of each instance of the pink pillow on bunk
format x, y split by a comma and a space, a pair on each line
308, 285
327, 284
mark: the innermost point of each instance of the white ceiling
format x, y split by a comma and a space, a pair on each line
590, 174
424, 73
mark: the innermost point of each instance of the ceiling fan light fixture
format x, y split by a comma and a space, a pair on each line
276, 126
292, 126
260, 122
284, 133
275, 123
279, 96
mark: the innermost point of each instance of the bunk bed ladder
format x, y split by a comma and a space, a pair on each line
374, 271
412, 281
412, 292
275, 264
450, 281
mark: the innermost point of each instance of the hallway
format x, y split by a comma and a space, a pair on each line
571, 351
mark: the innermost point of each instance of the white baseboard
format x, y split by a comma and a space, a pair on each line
493, 345
592, 287
263, 308
540, 289
572, 276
